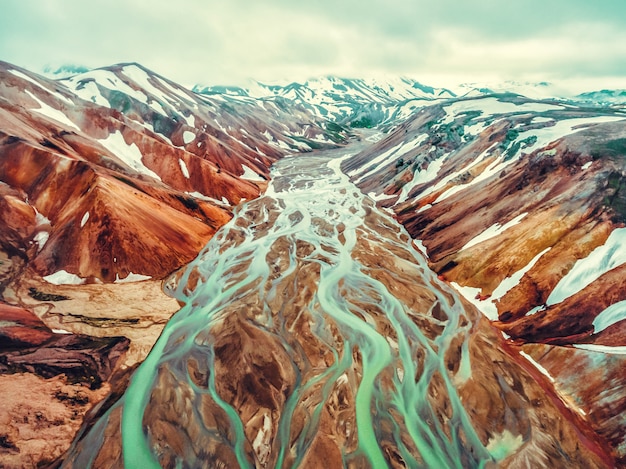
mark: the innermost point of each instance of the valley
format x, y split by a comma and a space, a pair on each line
313, 333
339, 273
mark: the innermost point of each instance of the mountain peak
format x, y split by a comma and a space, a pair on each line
64, 70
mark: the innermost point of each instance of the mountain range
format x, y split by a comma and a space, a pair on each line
485, 230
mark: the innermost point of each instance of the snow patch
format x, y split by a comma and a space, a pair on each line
493, 231
63, 277
201, 196
435, 187
84, 219
471, 294
183, 168
50, 112
163, 136
495, 167
141, 78
393, 154
491, 105
585, 271
488, 307
537, 365
421, 177
375, 137
586, 165
41, 219
611, 315
560, 129
36, 83
475, 129
129, 154
41, 238
283, 145
249, 174
377, 197
188, 137
191, 120
108, 79
131, 277
178, 92
90, 92
510, 282
373, 166
537, 120
617, 350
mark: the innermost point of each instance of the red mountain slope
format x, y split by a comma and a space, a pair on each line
521, 206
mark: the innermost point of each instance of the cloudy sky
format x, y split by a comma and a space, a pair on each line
438, 42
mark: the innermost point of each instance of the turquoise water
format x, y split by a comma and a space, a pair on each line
312, 219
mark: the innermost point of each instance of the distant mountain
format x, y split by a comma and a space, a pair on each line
603, 97
63, 71
384, 103
543, 90
533, 90
363, 103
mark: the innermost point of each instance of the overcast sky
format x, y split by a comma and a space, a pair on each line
437, 42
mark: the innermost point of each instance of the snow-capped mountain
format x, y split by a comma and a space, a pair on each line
532, 90
603, 97
57, 72
443, 159
166, 99
384, 103
355, 102
544, 90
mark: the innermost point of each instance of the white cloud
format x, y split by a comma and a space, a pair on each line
194, 41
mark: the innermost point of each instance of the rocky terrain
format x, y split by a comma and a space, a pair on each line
312, 330
520, 206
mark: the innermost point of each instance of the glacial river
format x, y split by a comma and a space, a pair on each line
312, 334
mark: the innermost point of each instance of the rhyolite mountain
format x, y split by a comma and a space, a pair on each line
312, 330
122, 144
520, 205
109, 177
